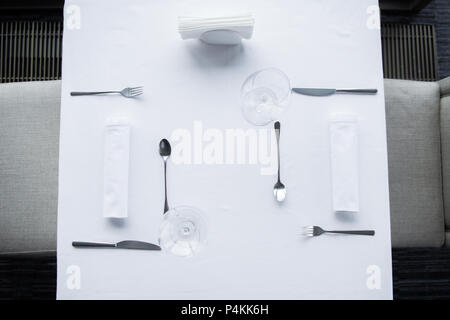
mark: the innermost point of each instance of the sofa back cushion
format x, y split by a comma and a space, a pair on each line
445, 144
29, 131
29, 135
414, 155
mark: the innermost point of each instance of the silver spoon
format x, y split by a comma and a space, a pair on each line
279, 190
164, 151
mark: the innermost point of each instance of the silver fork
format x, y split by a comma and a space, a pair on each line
127, 92
314, 231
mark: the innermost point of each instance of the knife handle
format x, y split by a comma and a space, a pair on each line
81, 244
362, 91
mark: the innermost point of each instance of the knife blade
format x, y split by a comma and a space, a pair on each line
138, 245
319, 92
314, 91
126, 244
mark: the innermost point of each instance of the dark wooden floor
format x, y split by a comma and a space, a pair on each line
417, 274
28, 278
421, 273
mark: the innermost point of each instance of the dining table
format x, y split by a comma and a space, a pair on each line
221, 164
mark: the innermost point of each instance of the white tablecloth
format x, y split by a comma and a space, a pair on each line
253, 249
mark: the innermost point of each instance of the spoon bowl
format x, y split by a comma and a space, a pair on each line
279, 191
165, 149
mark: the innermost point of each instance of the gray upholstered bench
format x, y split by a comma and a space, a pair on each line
29, 131
418, 129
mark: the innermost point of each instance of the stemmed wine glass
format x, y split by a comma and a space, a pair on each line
182, 231
265, 94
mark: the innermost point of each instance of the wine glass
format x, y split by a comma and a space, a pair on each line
265, 94
183, 231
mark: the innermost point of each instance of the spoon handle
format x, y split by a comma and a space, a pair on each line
166, 205
277, 127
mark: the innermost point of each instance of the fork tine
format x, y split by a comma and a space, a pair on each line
136, 92
307, 231
311, 230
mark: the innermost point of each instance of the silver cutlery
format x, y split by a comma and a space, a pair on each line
318, 92
165, 151
279, 190
126, 244
127, 92
313, 231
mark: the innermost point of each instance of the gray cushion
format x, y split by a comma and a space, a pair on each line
29, 131
445, 86
413, 135
445, 138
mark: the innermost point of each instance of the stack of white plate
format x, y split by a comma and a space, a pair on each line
217, 30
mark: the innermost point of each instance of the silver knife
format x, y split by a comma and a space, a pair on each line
328, 92
127, 244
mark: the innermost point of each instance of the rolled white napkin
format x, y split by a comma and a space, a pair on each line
344, 162
116, 168
217, 30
